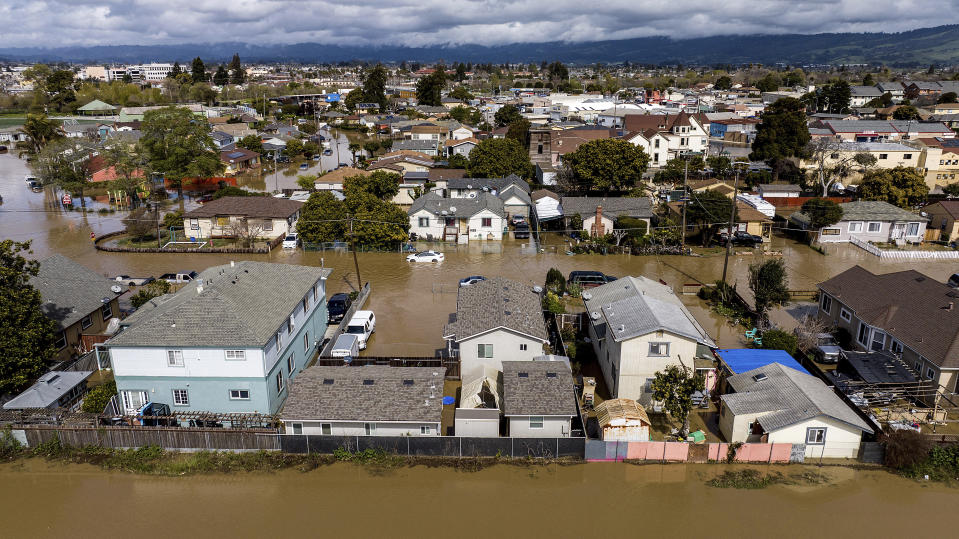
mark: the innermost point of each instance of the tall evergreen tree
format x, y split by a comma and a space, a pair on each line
175, 71
374, 86
221, 77
198, 70
237, 74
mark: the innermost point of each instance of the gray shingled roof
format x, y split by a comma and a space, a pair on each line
390, 396
635, 306
907, 305
875, 210
785, 397
499, 184
240, 306
415, 145
70, 291
436, 204
497, 303
546, 388
48, 389
638, 207
250, 206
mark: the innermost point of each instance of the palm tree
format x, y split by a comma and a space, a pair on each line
354, 147
41, 130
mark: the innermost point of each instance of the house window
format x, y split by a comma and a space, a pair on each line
874, 226
487, 222
535, 421
268, 224
863, 337
425, 429
279, 339
522, 347
815, 436
656, 145
174, 358
912, 229
658, 349
370, 429
86, 322
484, 351
930, 374
222, 221
424, 222
855, 226
825, 303
194, 224
326, 429
883, 156
133, 400
239, 394
306, 341
834, 156
279, 382
61, 340
290, 325
181, 397
107, 311
878, 340
235, 355
844, 314
830, 232
907, 156
895, 347
539, 149
918, 367
297, 428
290, 363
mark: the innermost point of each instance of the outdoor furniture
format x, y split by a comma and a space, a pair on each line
751, 334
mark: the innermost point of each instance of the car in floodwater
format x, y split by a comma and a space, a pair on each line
291, 241
471, 280
426, 256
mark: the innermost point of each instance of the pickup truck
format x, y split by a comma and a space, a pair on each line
179, 278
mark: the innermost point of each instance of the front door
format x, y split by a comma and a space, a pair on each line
898, 230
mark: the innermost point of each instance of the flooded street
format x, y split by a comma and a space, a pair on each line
594, 500
413, 301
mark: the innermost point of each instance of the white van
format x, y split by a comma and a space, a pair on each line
363, 324
346, 345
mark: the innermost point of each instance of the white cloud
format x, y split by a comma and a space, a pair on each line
51, 23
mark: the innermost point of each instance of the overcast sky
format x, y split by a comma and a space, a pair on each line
425, 22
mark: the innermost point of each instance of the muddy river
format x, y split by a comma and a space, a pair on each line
586, 500
413, 301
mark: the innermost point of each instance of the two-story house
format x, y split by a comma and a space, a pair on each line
638, 327
905, 312
496, 320
230, 342
512, 190
459, 220
666, 136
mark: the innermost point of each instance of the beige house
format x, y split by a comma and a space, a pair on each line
940, 161
944, 218
638, 327
227, 217
905, 313
778, 404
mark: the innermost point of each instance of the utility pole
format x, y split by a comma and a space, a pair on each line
156, 218
729, 230
359, 280
685, 199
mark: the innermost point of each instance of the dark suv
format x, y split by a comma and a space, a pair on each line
740, 238
337, 307
588, 279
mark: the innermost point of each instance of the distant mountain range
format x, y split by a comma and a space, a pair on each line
939, 45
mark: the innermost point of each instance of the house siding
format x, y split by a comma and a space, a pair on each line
74, 332
884, 234
206, 227
553, 427
506, 347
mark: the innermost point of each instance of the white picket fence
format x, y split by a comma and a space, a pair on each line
885, 254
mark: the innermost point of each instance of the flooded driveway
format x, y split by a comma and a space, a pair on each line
585, 500
413, 301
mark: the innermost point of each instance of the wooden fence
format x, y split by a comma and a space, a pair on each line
177, 439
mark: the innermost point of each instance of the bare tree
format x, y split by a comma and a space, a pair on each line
834, 159
808, 330
618, 235
245, 233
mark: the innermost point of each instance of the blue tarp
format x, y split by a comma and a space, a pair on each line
740, 360
449, 400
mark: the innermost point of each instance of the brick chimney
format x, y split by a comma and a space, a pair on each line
598, 229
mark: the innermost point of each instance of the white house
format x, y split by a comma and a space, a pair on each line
666, 136
599, 214
496, 320
870, 221
224, 217
778, 404
376, 400
538, 398
638, 327
461, 147
460, 220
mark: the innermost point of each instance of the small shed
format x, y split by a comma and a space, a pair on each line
623, 420
97, 108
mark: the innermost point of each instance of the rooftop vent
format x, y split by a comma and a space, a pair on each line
327, 381
594, 315
407, 382
523, 375
586, 295
760, 377
551, 375
367, 382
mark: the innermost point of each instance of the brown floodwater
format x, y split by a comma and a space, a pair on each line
584, 500
413, 301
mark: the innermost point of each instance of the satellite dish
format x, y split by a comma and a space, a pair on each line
452, 209
116, 289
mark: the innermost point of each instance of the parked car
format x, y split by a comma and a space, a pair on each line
316, 157
827, 350
588, 279
304, 166
291, 241
204, 199
134, 281
521, 232
472, 279
337, 307
953, 280
35, 186
179, 278
346, 345
342, 165
517, 219
363, 324
740, 237
426, 256
327, 152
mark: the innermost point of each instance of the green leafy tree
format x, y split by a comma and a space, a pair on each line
177, 145
306, 181
198, 70
822, 212
461, 93
466, 115
769, 283
783, 132
769, 83
429, 89
948, 97
65, 163
674, 387
95, 401
234, 191
221, 77
900, 186
555, 281
148, 292
506, 115
380, 184
708, 210
354, 147
952, 190
498, 158
378, 224
173, 219
777, 339
371, 146
237, 74
607, 164
252, 143
519, 131
906, 112
322, 218
40, 130
676, 169
59, 90
354, 97
27, 339
557, 72
374, 86
128, 164
867, 80
635, 229
294, 148
881, 102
